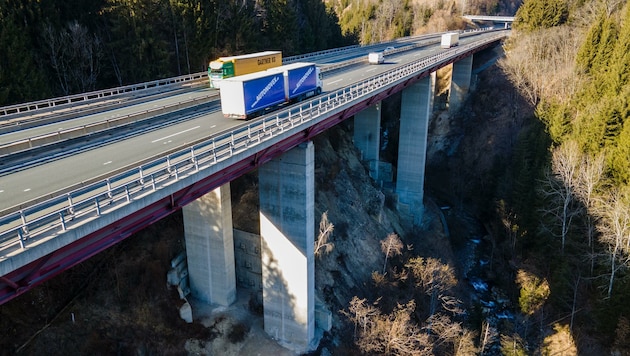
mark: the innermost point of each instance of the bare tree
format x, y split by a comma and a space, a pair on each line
614, 225
453, 335
75, 56
559, 189
541, 64
387, 334
433, 277
391, 245
361, 314
590, 176
325, 230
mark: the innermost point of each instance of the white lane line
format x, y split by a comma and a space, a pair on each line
27, 189
175, 134
370, 70
213, 126
106, 163
1, 191
335, 81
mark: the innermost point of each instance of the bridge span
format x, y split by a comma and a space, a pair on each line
42, 239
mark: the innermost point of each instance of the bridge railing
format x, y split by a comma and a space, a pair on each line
76, 99
54, 216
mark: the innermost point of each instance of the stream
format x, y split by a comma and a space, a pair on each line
488, 306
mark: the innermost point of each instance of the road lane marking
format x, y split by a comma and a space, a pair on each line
213, 126
106, 163
175, 134
372, 69
27, 189
335, 81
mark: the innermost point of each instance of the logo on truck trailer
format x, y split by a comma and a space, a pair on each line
304, 77
266, 60
265, 90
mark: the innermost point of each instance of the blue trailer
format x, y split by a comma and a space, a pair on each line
301, 80
251, 95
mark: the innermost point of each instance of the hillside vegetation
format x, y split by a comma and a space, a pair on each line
571, 60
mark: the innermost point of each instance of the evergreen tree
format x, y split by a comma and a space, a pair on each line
22, 76
538, 14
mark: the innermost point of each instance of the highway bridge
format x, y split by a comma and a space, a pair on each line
81, 173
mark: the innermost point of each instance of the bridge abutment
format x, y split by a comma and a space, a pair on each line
415, 112
210, 247
287, 200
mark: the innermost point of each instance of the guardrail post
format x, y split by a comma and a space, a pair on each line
141, 175
63, 221
214, 151
168, 164
21, 237
70, 205
127, 193
193, 158
153, 181
98, 207
24, 225
109, 189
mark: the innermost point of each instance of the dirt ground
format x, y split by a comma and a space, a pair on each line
256, 342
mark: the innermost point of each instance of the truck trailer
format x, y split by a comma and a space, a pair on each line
227, 67
251, 95
450, 39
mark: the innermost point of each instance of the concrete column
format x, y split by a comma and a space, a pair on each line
287, 199
210, 247
367, 134
415, 111
460, 82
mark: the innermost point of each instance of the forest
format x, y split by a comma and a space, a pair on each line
59, 47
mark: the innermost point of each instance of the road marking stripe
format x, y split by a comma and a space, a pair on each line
175, 134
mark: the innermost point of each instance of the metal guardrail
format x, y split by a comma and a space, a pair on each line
56, 215
95, 127
77, 99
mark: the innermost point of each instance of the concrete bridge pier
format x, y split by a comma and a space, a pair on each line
460, 82
287, 229
367, 133
415, 112
210, 247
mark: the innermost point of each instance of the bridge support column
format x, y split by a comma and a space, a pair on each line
415, 112
287, 200
460, 82
210, 247
367, 133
